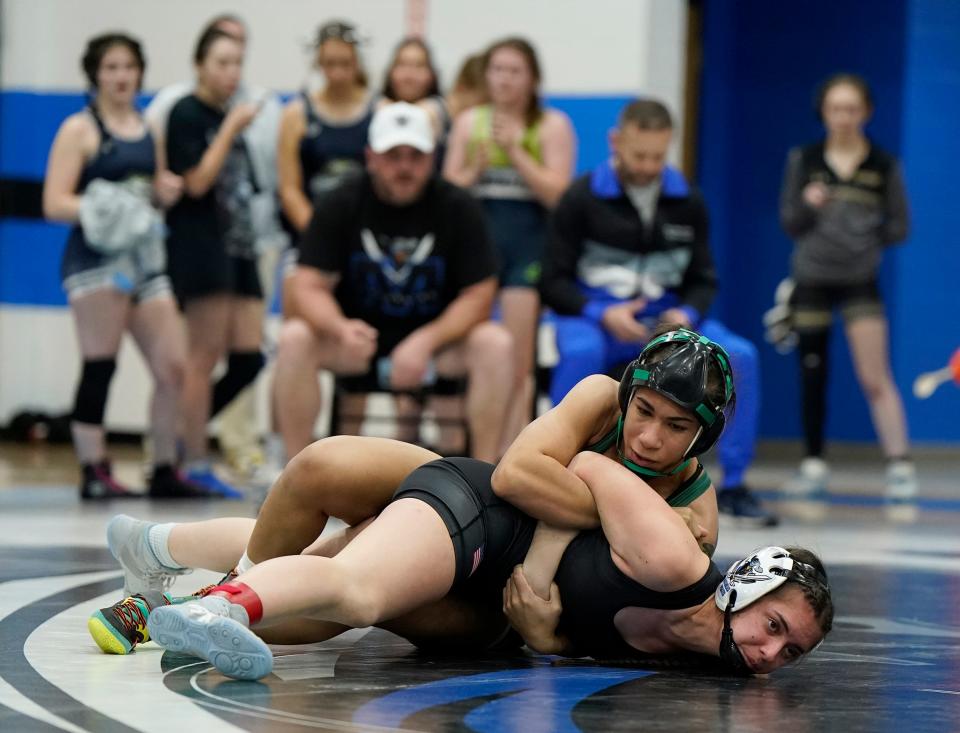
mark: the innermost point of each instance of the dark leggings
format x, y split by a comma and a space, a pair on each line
814, 348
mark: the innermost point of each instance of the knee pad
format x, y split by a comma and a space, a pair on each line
91, 398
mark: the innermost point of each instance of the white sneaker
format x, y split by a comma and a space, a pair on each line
901, 480
214, 629
810, 479
129, 544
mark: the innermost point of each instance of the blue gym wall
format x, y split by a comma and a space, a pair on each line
761, 64
30, 249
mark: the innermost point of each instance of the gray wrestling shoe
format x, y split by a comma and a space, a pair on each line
216, 630
142, 572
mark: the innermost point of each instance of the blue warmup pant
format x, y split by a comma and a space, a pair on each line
586, 348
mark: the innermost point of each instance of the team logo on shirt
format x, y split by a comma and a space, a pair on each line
399, 276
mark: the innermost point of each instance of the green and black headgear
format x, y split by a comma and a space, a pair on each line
682, 376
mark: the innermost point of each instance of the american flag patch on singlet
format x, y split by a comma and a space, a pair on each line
477, 559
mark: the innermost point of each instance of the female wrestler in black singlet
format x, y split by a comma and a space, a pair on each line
456, 535
354, 479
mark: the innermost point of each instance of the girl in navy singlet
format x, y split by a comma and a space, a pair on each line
323, 133
124, 286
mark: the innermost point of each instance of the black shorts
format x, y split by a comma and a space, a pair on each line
813, 305
196, 274
489, 535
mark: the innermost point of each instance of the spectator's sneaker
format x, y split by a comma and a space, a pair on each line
166, 483
901, 481
214, 629
811, 480
97, 482
128, 541
739, 505
204, 477
119, 628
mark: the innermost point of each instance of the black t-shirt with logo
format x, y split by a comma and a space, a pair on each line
400, 266
220, 219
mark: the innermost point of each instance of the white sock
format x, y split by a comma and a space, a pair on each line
245, 564
158, 537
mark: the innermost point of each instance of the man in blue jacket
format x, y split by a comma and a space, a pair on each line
627, 250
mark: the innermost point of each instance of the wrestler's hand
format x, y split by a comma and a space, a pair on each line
696, 529
534, 618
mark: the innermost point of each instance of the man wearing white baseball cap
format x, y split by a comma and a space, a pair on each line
401, 123
396, 280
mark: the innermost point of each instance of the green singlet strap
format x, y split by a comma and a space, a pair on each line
603, 445
691, 489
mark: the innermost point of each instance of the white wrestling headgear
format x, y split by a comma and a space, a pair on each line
762, 571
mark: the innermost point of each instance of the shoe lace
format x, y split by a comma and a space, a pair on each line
205, 590
131, 615
162, 578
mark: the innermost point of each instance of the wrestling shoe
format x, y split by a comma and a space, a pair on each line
216, 630
129, 542
119, 628
202, 475
97, 482
742, 508
901, 480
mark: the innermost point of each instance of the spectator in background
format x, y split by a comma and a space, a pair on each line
469, 87
843, 201
212, 242
237, 429
628, 250
117, 283
396, 279
517, 157
323, 132
412, 77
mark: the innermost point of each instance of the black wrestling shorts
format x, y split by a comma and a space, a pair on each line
489, 535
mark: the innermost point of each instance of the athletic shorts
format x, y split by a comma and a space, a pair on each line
199, 272
813, 305
490, 537
84, 271
519, 231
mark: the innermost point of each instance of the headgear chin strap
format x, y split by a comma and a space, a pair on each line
729, 651
748, 580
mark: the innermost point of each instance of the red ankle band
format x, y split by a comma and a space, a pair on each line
243, 595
